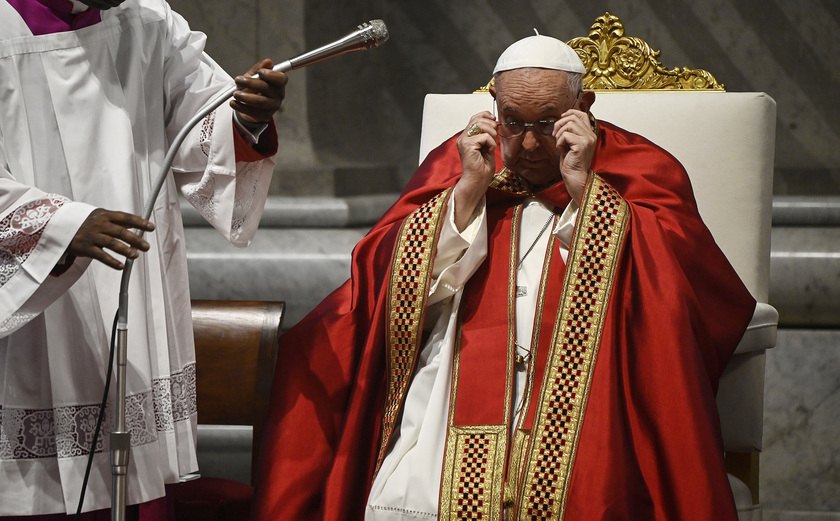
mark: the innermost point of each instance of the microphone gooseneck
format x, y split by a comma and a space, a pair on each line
367, 35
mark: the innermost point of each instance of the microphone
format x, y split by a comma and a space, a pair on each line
367, 35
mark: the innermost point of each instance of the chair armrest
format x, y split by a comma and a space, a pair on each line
761, 332
740, 396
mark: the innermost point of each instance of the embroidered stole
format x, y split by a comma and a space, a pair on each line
483, 472
411, 271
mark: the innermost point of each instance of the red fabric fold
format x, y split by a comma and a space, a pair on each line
266, 147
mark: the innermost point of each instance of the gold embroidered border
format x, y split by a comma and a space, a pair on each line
507, 180
473, 473
565, 389
407, 293
511, 339
516, 461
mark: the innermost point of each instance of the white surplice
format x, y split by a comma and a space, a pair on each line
407, 487
85, 120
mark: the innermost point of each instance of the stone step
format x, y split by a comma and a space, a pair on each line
805, 276
361, 210
310, 212
297, 265
806, 211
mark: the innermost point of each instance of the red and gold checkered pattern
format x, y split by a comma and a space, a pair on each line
565, 389
507, 181
473, 470
410, 274
472, 486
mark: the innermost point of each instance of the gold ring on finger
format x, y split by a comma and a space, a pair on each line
473, 130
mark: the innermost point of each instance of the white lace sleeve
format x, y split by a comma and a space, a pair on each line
229, 194
232, 204
205, 197
21, 230
34, 235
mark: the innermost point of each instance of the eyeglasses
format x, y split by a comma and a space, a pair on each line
542, 127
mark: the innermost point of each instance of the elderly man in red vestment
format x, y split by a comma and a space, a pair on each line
535, 330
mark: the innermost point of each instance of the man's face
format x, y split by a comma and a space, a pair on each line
530, 95
102, 4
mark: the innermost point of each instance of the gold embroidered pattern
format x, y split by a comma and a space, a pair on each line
508, 181
407, 293
472, 481
471, 485
565, 389
516, 463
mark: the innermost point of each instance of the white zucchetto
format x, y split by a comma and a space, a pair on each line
539, 51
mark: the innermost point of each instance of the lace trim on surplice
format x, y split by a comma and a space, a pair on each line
67, 431
21, 230
203, 195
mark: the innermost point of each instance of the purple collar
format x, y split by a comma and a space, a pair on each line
53, 16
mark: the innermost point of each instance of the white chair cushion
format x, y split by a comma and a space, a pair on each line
761, 332
740, 397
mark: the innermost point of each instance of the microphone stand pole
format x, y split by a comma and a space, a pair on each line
121, 437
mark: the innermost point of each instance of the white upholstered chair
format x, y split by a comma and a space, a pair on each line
725, 140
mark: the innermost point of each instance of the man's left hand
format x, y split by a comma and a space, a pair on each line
576, 143
260, 97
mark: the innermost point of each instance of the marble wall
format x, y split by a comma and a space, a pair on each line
800, 470
349, 130
800, 461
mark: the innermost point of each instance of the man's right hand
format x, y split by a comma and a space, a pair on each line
478, 162
104, 229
